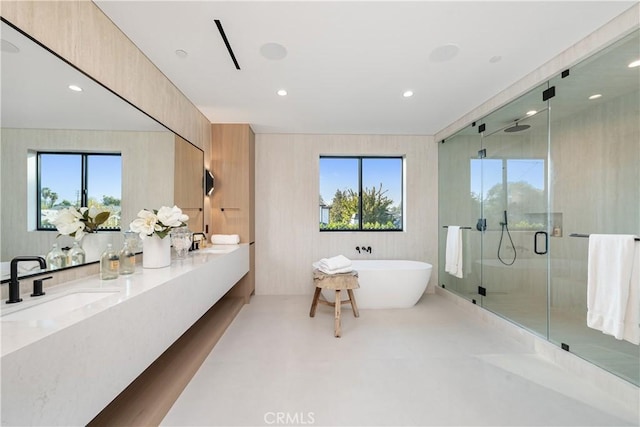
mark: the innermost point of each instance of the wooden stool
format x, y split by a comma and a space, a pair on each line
337, 282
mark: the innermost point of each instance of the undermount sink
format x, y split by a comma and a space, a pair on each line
56, 307
219, 250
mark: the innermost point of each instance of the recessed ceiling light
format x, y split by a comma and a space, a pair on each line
75, 88
635, 63
595, 96
444, 53
9, 47
181, 53
273, 51
282, 92
531, 112
407, 93
494, 59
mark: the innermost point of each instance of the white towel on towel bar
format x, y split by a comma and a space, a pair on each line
610, 265
225, 239
453, 252
632, 314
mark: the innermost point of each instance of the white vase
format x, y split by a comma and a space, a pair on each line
93, 245
156, 252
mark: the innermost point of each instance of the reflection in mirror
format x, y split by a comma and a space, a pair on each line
40, 113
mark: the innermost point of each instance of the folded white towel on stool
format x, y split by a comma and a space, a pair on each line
611, 259
335, 265
225, 239
336, 262
335, 271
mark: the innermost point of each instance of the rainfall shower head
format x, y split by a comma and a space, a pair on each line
517, 128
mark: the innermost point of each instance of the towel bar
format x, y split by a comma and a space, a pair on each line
462, 228
637, 239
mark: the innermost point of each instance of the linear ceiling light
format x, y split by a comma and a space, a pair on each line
226, 43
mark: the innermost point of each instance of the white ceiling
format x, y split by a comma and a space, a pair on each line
348, 63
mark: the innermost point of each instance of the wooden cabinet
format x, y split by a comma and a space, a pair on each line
188, 190
233, 199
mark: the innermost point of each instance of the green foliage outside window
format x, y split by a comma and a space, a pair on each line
379, 211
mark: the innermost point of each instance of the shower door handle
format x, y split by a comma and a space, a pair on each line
535, 242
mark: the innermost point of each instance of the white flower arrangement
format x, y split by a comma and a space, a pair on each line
76, 223
159, 221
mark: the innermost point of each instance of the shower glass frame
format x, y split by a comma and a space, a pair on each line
515, 184
591, 156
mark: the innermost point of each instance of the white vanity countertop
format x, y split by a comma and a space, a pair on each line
17, 334
69, 353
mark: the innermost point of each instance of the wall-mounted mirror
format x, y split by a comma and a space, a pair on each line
41, 114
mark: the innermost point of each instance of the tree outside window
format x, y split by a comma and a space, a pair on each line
513, 185
361, 193
79, 179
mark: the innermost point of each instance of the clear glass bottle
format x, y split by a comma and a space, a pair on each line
77, 255
56, 258
109, 263
127, 258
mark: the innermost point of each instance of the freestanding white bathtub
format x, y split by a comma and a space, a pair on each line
388, 283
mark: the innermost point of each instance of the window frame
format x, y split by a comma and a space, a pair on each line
360, 159
84, 191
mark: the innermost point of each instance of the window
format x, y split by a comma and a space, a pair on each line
79, 179
513, 185
361, 193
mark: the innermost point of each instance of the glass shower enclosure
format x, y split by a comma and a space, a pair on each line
527, 180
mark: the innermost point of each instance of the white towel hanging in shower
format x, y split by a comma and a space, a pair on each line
611, 259
632, 313
453, 251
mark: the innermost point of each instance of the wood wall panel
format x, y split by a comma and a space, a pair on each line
232, 163
233, 200
189, 183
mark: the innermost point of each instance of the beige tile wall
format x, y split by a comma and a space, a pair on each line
287, 214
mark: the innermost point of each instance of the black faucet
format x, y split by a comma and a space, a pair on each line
37, 286
14, 284
195, 244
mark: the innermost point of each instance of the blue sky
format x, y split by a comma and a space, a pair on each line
62, 174
342, 173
